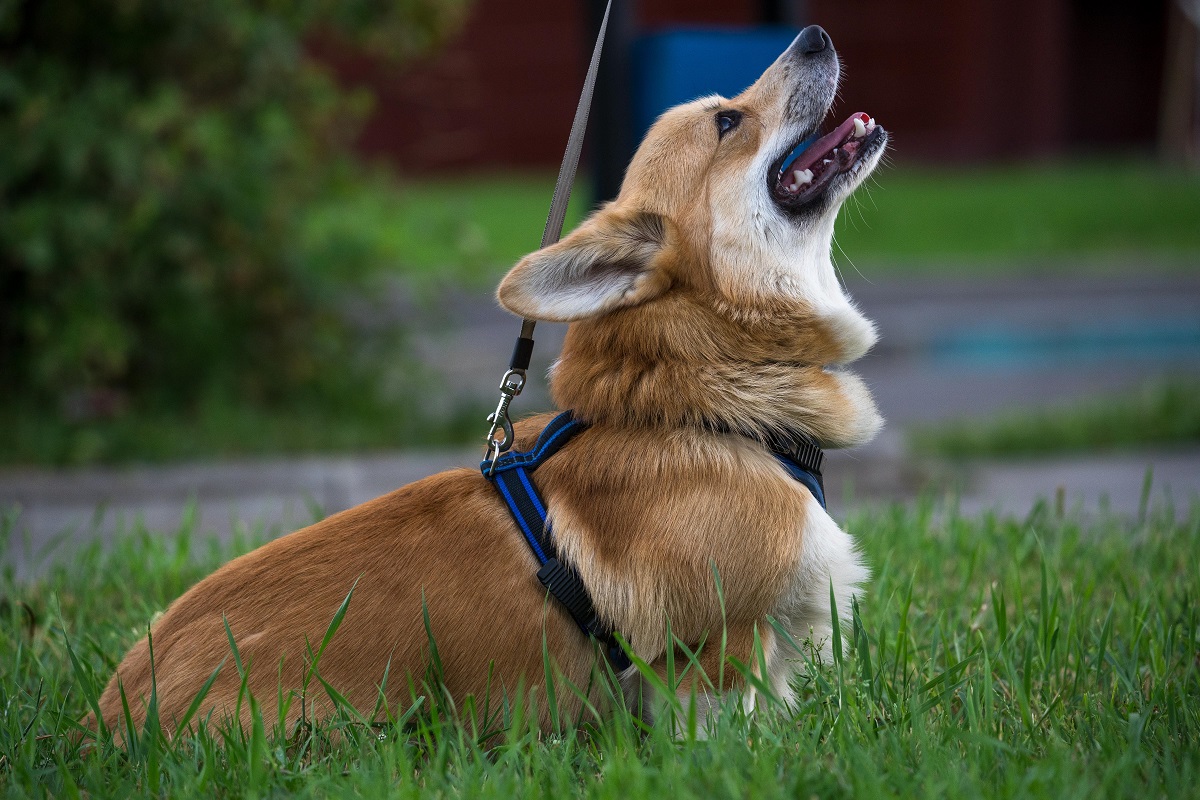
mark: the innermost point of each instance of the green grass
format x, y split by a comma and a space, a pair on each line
436, 233
1165, 414
1098, 214
223, 429
992, 657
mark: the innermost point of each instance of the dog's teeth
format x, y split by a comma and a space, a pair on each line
871, 124
824, 161
802, 176
860, 129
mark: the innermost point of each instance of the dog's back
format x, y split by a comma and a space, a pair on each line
443, 545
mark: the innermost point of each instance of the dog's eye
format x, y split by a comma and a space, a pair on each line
727, 121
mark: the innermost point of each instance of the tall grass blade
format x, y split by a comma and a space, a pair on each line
256, 758
85, 678
333, 626
724, 626
551, 693
194, 707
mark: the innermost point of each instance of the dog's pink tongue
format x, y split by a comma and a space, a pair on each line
821, 147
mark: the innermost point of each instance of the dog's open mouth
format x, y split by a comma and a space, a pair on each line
804, 173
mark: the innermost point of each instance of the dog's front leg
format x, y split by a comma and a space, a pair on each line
733, 666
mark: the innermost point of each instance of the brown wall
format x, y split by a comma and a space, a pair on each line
502, 94
1118, 50
953, 80
1004, 78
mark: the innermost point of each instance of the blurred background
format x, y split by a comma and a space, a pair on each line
247, 248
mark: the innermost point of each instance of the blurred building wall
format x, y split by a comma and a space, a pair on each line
993, 79
501, 95
960, 81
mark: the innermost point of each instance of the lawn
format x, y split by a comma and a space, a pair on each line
437, 232
226, 428
906, 220
1066, 216
1163, 414
991, 657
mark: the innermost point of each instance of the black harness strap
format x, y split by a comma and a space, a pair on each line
510, 475
800, 456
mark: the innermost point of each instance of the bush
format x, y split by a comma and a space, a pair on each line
157, 156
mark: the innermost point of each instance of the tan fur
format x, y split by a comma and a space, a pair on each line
700, 313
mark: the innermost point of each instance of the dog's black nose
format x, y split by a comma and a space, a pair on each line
814, 39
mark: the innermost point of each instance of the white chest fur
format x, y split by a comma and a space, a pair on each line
829, 558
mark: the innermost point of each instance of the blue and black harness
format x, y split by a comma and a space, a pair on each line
800, 456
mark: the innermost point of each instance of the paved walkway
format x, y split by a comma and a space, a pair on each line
948, 349
58, 511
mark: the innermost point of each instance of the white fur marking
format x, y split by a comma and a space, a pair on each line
829, 557
789, 258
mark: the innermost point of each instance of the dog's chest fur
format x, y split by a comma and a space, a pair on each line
652, 521
653, 506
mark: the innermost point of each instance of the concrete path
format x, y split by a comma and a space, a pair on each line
56, 511
948, 349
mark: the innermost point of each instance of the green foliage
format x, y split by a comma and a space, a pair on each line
1163, 414
1047, 656
342, 419
157, 159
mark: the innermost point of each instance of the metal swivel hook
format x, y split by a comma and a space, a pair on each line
510, 386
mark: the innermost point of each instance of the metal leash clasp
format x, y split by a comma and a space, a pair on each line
510, 386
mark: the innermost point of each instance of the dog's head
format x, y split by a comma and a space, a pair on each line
737, 196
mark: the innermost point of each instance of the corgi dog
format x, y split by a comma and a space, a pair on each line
705, 317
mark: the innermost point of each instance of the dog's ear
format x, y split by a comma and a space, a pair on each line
612, 260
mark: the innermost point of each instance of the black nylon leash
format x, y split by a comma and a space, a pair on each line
514, 379
509, 471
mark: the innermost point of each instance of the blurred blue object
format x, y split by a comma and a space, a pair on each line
675, 65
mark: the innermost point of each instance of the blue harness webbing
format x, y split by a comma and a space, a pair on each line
510, 475
802, 458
